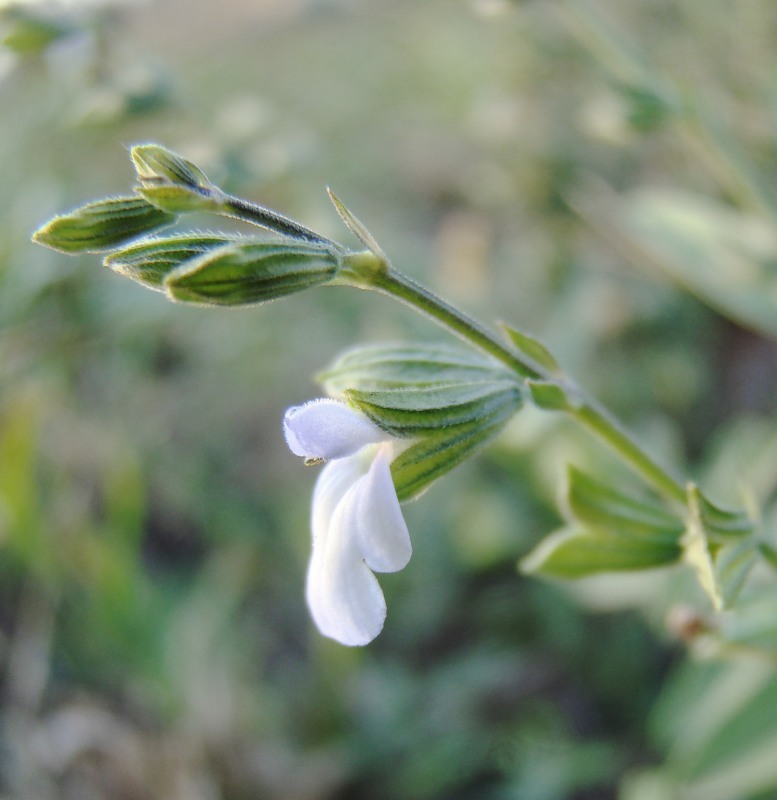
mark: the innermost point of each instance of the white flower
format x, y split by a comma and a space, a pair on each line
357, 523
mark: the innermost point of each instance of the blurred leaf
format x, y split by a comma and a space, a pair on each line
726, 257
601, 506
28, 33
531, 348
719, 725
21, 523
577, 552
551, 396
721, 562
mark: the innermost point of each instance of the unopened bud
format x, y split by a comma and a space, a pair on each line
102, 225
246, 274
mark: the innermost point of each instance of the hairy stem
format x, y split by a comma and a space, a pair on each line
392, 282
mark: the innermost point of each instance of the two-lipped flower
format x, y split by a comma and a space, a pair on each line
357, 523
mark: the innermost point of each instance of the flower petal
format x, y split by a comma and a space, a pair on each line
383, 535
329, 429
336, 478
343, 595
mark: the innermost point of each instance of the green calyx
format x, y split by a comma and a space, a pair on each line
445, 401
241, 274
151, 260
102, 225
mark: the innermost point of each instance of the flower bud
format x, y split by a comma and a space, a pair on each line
246, 274
172, 183
155, 164
102, 225
151, 260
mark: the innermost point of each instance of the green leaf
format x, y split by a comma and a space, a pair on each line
721, 563
150, 261
30, 33
724, 256
421, 410
603, 507
246, 274
357, 228
579, 552
551, 396
376, 367
720, 524
432, 456
102, 225
532, 349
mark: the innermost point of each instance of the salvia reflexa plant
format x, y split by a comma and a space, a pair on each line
400, 416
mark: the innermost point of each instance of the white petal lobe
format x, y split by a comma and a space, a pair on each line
383, 535
343, 595
328, 429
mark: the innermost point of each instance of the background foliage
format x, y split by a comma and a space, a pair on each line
599, 174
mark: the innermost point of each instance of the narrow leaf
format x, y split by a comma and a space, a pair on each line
550, 396
532, 349
601, 506
576, 553
357, 228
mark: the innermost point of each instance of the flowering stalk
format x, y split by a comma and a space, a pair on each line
371, 271
456, 406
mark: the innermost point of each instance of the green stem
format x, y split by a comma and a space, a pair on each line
367, 272
272, 220
404, 288
602, 423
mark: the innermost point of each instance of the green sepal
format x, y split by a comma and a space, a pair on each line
533, 350
551, 396
600, 506
432, 456
102, 225
376, 367
155, 164
246, 274
180, 199
171, 182
357, 228
150, 261
580, 552
426, 410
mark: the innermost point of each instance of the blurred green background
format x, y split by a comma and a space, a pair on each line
600, 174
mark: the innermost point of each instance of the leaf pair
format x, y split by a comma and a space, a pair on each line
611, 531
